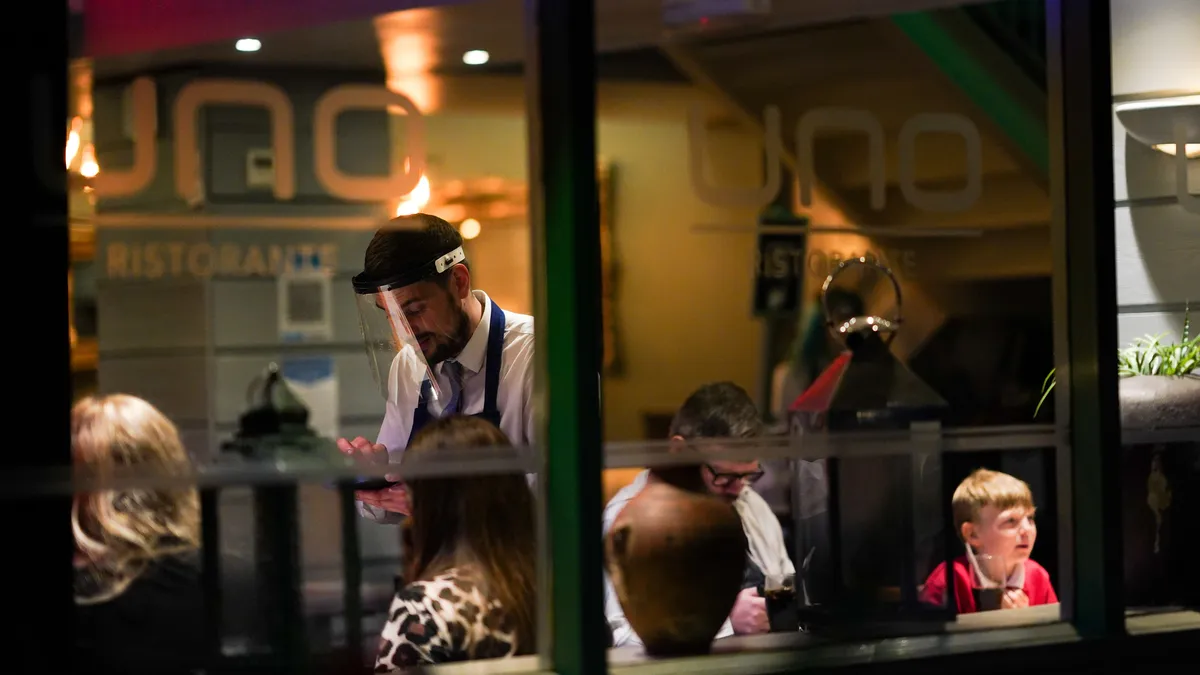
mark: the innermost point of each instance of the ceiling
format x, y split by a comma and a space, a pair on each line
433, 39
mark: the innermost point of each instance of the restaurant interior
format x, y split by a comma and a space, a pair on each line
913, 232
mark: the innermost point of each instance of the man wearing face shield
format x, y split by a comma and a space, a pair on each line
437, 347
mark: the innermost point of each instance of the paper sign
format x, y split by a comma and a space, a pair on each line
314, 380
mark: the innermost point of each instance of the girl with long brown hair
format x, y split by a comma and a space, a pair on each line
470, 559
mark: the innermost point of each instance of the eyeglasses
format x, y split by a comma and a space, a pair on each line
720, 479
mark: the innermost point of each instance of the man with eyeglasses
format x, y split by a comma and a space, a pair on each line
715, 411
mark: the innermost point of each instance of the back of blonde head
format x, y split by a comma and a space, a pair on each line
119, 532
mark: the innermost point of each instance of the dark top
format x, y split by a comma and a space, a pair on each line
155, 626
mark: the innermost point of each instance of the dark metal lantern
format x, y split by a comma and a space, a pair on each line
867, 387
880, 527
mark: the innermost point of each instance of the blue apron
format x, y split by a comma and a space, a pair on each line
490, 412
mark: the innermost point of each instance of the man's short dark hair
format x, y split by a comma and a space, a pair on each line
717, 410
407, 242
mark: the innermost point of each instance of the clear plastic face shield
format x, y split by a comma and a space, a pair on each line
407, 326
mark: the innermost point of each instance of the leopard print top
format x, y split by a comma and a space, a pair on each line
445, 619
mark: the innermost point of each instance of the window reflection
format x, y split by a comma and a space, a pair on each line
222, 200
1159, 389
801, 146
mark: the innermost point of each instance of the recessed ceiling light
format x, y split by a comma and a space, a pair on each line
248, 45
475, 57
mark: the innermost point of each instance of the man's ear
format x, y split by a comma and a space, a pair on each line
676, 444
460, 281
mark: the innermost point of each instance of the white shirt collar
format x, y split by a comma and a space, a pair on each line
1015, 580
472, 354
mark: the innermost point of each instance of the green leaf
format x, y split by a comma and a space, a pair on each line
1047, 387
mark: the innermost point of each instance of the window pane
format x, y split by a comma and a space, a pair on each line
1157, 224
845, 215
227, 182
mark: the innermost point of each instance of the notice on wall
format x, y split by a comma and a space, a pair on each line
305, 300
314, 380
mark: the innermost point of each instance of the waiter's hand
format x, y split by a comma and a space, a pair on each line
364, 451
394, 498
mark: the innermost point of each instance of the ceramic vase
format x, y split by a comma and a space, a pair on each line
676, 558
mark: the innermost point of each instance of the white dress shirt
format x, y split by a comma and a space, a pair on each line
763, 535
514, 399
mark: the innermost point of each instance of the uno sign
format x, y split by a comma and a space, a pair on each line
404, 175
847, 119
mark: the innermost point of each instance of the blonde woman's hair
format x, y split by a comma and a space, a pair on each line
119, 532
983, 488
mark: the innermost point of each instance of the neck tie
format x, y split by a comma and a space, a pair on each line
453, 372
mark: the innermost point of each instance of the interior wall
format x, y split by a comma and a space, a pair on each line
684, 296
1155, 48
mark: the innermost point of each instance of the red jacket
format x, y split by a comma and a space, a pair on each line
1037, 586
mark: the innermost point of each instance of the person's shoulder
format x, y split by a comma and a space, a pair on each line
938, 576
623, 496
518, 324
1034, 569
755, 501
184, 565
518, 338
424, 618
431, 597
961, 568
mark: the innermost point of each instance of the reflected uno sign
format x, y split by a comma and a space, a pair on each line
405, 171
862, 121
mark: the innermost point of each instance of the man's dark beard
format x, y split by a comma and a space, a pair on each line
454, 342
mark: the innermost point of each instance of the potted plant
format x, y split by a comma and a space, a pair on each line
1160, 382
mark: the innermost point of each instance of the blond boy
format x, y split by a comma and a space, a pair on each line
994, 517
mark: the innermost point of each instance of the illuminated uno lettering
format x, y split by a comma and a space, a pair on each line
196, 94
202, 260
846, 119
405, 172
144, 112
726, 196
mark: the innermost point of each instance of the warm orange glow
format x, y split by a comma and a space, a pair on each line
407, 42
451, 213
73, 140
500, 210
413, 202
469, 228
81, 87
88, 168
1191, 150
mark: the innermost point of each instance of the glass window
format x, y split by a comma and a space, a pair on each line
845, 217
225, 193
837, 302
1157, 218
